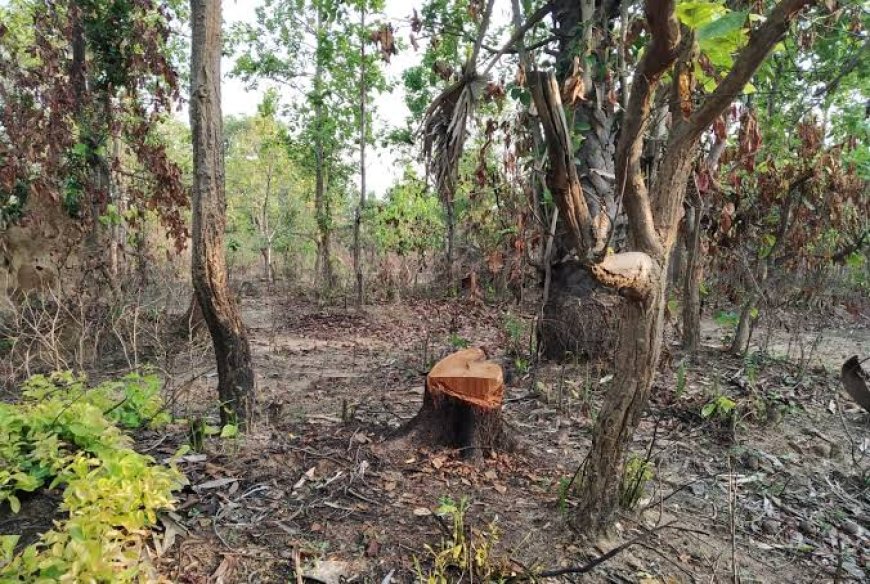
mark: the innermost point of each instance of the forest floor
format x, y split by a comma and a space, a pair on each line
779, 492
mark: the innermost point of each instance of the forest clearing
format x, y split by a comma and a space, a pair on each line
322, 291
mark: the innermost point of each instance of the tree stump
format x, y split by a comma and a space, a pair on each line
580, 318
855, 380
461, 406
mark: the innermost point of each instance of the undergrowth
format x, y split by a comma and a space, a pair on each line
64, 434
467, 552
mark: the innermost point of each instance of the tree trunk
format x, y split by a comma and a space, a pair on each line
325, 276
565, 330
461, 407
694, 272
450, 248
209, 271
357, 223
637, 356
740, 343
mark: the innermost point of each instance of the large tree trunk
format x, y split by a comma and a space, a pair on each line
568, 328
653, 217
209, 271
581, 316
640, 341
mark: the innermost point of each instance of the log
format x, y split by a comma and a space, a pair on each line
462, 407
855, 381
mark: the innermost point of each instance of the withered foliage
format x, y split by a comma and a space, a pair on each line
86, 73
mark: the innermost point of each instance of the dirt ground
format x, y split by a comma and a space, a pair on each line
779, 494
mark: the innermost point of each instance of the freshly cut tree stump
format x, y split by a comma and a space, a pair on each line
461, 406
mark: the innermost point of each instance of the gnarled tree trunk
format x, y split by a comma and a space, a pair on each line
568, 328
653, 219
209, 271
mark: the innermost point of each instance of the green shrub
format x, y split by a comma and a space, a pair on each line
64, 434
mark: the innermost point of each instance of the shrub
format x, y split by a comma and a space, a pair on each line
64, 434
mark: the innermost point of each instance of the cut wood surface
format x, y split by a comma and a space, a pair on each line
468, 376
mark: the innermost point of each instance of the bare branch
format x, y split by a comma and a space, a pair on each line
534, 19
661, 54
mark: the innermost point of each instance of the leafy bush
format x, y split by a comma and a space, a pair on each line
63, 433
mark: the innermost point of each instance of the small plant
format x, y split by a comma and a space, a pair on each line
564, 491
515, 330
751, 366
521, 365
458, 342
636, 474
681, 381
720, 407
465, 553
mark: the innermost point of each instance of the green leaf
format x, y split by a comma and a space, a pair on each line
708, 410
14, 504
7, 546
229, 431
722, 26
697, 14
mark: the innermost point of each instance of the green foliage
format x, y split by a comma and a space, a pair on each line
268, 185
458, 342
635, 475
464, 553
720, 407
64, 434
720, 33
409, 220
726, 318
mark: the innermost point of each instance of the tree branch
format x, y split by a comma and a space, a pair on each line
534, 19
761, 42
661, 54
562, 176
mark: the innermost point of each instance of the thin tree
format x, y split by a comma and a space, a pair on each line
357, 220
209, 271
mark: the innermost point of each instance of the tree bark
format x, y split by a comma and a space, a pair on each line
209, 271
740, 342
694, 273
588, 174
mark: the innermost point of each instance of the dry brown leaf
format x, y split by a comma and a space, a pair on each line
685, 90
573, 88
